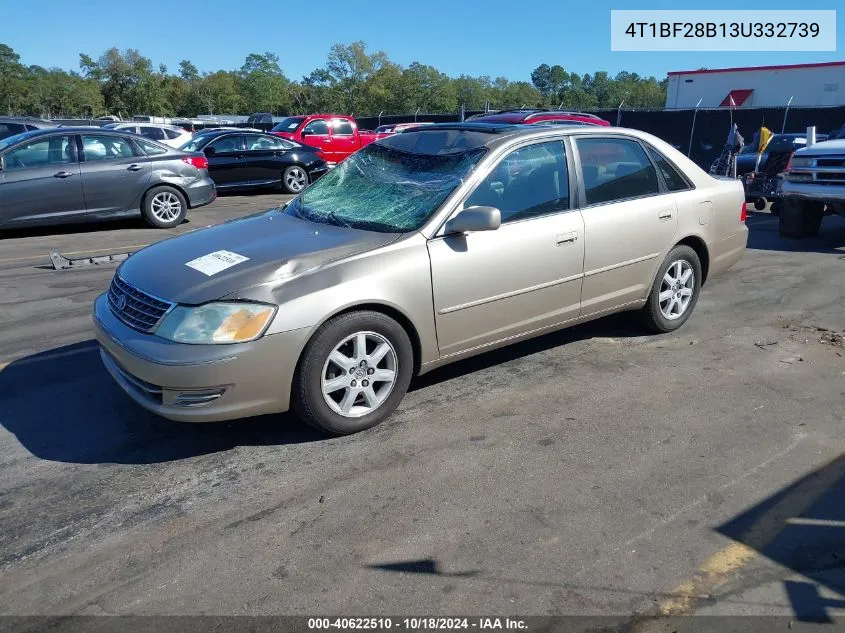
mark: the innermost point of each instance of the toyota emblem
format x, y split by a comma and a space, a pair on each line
121, 302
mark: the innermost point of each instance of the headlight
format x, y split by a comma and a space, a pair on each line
216, 323
801, 161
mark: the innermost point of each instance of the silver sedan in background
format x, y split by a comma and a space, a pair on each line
73, 174
421, 249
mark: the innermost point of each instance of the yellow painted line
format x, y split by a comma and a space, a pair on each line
47, 357
718, 568
95, 250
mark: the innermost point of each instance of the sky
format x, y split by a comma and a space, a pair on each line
475, 37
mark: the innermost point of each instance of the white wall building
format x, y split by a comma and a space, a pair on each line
820, 84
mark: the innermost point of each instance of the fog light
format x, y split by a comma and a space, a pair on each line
192, 398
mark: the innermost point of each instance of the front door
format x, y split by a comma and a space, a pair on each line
526, 275
316, 134
40, 180
114, 173
629, 221
226, 161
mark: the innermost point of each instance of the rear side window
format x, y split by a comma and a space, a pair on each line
106, 147
342, 127
675, 181
615, 169
151, 149
155, 133
171, 134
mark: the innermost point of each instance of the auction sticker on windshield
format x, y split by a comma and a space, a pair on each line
216, 262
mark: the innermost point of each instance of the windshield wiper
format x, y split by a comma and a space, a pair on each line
337, 220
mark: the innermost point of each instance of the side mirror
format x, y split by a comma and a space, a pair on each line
474, 219
209, 151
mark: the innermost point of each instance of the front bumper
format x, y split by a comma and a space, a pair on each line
199, 383
830, 193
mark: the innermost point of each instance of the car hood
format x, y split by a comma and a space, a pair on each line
278, 247
822, 148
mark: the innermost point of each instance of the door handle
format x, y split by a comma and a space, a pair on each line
665, 214
62, 174
567, 238
134, 167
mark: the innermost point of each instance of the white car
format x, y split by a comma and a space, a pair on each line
171, 135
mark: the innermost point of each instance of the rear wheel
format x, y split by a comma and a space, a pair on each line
674, 292
294, 179
798, 218
354, 372
164, 207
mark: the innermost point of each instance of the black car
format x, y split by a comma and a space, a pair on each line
246, 160
11, 125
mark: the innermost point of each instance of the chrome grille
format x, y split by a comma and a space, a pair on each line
136, 308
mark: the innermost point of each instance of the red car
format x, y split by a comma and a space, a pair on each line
335, 136
538, 116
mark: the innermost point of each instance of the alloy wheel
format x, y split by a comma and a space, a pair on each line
359, 374
676, 289
296, 179
166, 206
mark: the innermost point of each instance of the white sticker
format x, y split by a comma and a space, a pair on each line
216, 262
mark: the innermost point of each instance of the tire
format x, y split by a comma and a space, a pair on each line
674, 312
760, 204
164, 207
340, 337
774, 210
798, 218
295, 179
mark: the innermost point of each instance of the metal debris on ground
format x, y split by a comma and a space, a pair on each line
60, 262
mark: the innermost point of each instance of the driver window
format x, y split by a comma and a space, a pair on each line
56, 150
529, 182
316, 127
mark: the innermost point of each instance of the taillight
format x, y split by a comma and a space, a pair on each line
789, 163
200, 162
744, 213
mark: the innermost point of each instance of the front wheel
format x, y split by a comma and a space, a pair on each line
164, 207
674, 292
294, 179
354, 372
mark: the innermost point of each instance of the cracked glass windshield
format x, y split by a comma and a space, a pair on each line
388, 187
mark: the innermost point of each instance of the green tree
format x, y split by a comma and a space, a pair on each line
265, 87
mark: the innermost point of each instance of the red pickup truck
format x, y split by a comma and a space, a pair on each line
335, 136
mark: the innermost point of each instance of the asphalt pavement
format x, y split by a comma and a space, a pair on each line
592, 471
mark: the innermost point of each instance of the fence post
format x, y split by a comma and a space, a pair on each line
416, 113
785, 112
619, 113
692, 128
379, 118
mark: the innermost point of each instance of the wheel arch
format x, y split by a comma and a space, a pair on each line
374, 306
697, 244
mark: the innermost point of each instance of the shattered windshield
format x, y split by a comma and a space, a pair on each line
384, 189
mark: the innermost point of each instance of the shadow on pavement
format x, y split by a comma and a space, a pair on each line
63, 406
802, 528
763, 235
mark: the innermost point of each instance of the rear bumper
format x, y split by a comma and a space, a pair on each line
198, 383
811, 191
728, 252
201, 193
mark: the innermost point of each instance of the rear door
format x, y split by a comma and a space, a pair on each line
226, 161
630, 220
263, 157
40, 180
344, 140
115, 173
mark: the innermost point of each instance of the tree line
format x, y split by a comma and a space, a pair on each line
353, 80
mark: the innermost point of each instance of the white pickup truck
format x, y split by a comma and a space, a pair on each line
813, 185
